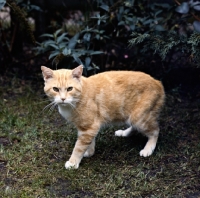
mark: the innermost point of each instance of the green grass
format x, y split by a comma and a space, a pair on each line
35, 146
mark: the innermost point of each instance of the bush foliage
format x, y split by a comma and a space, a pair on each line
155, 28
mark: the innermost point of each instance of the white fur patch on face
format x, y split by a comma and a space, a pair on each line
68, 100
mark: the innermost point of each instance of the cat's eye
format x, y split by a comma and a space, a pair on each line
69, 88
55, 89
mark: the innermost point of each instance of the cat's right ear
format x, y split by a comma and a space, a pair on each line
47, 73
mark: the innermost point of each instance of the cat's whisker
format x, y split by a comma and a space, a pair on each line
53, 106
47, 100
41, 102
72, 105
51, 109
49, 105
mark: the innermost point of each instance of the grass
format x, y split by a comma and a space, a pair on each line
35, 146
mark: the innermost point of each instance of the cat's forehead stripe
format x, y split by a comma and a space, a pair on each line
62, 76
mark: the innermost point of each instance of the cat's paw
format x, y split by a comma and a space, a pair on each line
88, 153
146, 152
119, 133
69, 165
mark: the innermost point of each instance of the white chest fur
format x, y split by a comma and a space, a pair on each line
65, 111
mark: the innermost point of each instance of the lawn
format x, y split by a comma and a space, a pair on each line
36, 143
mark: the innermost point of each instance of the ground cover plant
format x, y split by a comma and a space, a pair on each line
35, 145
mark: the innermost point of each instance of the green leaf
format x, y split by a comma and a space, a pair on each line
87, 61
54, 46
87, 37
121, 23
97, 36
132, 27
57, 32
47, 35
183, 8
34, 7
77, 59
129, 19
87, 29
19, 1
148, 21
96, 52
105, 7
66, 51
159, 28
62, 45
2, 3
54, 53
196, 25
73, 41
121, 9
47, 43
98, 22
158, 12
197, 6
163, 5
61, 37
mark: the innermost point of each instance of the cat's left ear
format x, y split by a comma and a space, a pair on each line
47, 73
77, 72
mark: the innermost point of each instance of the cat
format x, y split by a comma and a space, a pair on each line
114, 96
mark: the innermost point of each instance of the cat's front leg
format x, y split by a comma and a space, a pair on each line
85, 140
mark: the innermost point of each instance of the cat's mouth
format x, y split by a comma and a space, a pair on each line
64, 104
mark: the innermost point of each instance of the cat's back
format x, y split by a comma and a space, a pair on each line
124, 79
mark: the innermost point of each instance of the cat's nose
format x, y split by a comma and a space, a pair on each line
63, 99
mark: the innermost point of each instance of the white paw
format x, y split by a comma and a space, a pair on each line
119, 133
69, 165
146, 152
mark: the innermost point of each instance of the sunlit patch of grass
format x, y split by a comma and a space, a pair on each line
35, 146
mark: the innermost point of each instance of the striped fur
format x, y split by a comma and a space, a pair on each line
116, 96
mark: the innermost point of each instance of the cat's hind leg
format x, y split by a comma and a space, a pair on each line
148, 126
124, 133
90, 150
151, 143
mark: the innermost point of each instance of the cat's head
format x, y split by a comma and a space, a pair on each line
63, 86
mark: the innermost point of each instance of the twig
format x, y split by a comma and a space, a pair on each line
13, 37
177, 2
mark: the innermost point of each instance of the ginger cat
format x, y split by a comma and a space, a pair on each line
116, 96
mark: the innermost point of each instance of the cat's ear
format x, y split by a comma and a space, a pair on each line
47, 73
77, 72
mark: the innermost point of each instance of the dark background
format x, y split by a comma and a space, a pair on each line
19, 41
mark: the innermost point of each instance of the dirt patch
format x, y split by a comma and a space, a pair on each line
4, 141
2, 165
62, 189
